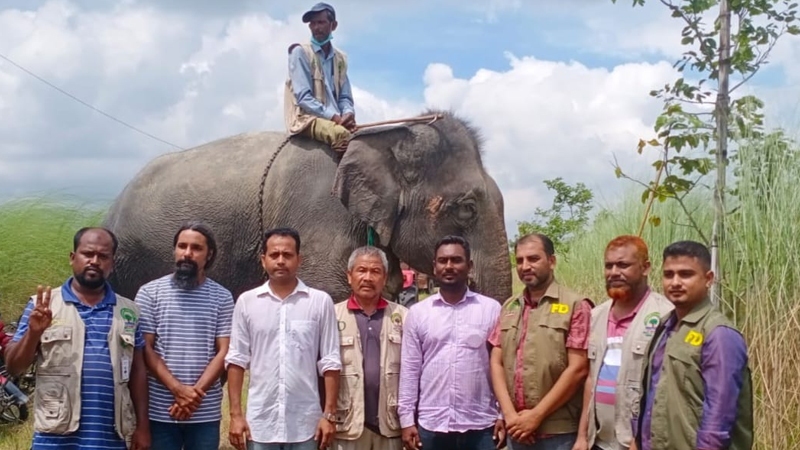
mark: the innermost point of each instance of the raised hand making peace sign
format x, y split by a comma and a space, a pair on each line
41, 316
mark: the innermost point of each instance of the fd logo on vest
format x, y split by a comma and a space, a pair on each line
559, 308
694, 338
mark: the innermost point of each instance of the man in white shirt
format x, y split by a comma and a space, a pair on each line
279, 330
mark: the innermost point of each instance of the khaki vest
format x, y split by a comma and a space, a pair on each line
296, 119
678, 405
545, 354
350, 403
59, 363
634, 347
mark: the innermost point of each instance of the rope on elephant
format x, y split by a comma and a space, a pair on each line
263, 183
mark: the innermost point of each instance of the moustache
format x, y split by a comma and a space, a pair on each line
94, 268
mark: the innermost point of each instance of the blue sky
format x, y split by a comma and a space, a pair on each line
557, 87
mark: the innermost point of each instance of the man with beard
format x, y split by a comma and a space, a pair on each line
539, 361
186, 321
286, 333
371, 330
446, 400
697, 391
620, 334
91, 380
318, 100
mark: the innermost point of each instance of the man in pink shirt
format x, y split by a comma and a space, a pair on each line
538, 359
446, 400
621, 331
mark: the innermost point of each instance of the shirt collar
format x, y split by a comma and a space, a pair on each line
551, 292
437, 297
318, 49
636, 309
352, 304
68, 295
265, 289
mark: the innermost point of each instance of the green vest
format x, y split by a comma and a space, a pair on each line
678, 404
545, 353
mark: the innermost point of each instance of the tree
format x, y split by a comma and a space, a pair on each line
566, 218
714, 52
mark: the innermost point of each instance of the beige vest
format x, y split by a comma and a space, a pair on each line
634, 347
59, 363
296, 119
545, 353
350, 404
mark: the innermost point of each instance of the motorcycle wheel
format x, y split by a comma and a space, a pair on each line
14, 413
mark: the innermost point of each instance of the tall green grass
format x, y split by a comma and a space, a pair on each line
35, 241
761, 266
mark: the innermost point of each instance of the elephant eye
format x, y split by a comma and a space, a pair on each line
467, 211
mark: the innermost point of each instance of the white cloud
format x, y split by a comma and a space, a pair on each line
191, 77
544, 119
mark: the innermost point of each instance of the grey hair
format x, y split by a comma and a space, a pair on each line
368, 251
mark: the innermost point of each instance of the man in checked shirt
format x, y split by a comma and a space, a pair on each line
539, 358
444, 369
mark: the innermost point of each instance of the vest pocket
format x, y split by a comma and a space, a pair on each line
683, 364
56, 347
53, 408
392, 389
127, 419
348, 383
346, 349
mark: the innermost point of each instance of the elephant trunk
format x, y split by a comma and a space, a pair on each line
492, 274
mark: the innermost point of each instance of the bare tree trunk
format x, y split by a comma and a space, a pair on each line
721, 114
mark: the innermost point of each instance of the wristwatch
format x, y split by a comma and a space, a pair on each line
329, 417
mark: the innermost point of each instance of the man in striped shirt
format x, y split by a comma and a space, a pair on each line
48, 331
186, 321
621, 330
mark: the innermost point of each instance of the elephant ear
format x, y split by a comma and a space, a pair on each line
366, 181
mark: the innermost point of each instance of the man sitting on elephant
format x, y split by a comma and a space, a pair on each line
318, 99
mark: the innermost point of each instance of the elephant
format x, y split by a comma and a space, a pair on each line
409, 185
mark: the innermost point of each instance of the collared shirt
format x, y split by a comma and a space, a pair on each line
445, 364
606, 389
186, 323
96, 429
369, 330
303, 85
577, 337
722, 359
279, 341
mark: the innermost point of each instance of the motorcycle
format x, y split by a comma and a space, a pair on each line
15, 392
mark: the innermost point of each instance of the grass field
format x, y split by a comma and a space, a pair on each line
761, 261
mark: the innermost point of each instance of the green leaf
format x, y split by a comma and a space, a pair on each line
654, 221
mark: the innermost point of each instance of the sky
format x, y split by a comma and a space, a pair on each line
557, 88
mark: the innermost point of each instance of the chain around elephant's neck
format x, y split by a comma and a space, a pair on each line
263, 183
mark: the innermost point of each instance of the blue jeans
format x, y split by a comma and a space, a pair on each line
558, 442
184, 436
468, 440
310, 444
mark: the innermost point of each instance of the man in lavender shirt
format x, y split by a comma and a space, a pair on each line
697, 388
446, 400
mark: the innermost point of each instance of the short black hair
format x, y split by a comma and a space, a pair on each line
691, 249
457, 240
285, 232
547, 243
76, 241
205, 230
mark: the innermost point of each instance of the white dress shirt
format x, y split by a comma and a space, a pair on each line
279, 341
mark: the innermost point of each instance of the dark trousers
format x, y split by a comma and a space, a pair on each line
468, 440
186, 436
